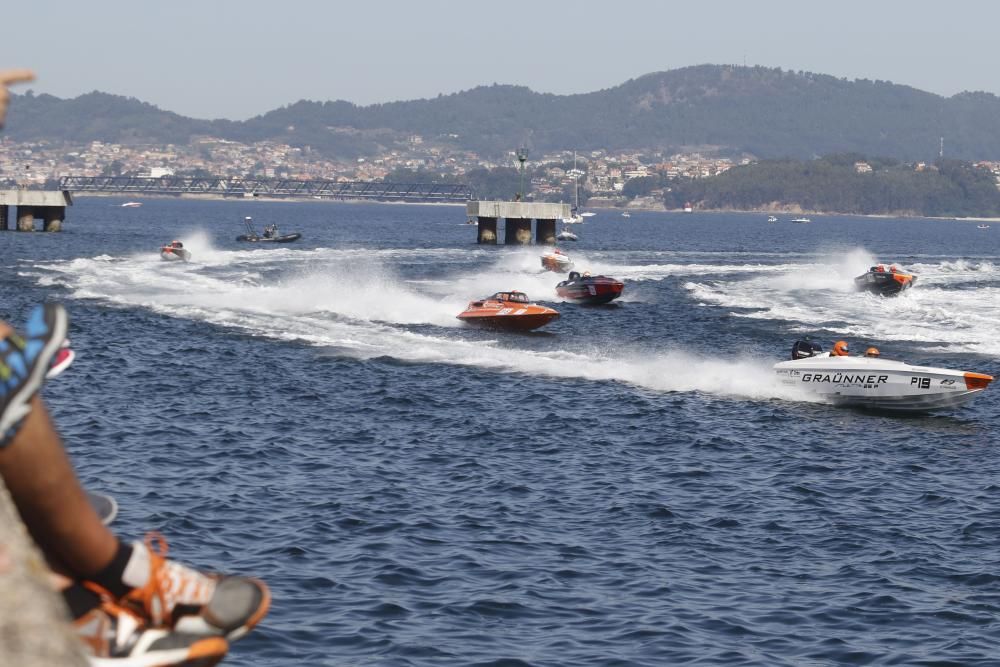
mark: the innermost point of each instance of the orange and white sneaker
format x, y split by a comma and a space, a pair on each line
178, 597
115, 637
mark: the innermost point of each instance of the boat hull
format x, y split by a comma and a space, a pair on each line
284, 238
175, 254
590, 291
509, 322
884, 283
882, 384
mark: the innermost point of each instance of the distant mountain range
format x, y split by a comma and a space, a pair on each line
767, 112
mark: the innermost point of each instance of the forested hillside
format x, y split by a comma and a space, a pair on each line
767, 112
832, 184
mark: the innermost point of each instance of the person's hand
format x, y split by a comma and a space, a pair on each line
9, 77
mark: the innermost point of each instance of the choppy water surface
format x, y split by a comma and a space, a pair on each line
628, 486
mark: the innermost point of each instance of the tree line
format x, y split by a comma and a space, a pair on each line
946, 188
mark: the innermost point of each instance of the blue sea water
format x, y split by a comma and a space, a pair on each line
628, 486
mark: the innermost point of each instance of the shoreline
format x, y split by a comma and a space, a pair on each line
615, 209
140, 196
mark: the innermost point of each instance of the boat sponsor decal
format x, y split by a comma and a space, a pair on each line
844, 378
948, 382
922, 383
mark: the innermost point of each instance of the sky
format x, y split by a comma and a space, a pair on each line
229, 59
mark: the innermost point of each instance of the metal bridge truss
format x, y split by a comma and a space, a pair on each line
269, 187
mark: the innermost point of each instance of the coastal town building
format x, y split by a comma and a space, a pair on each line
598, 173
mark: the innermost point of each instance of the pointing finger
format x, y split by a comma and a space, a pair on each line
12, 76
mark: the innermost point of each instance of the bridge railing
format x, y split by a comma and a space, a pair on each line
270, 187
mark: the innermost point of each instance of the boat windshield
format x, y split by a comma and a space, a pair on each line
516, 297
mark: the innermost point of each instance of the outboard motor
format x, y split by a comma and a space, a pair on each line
803, 349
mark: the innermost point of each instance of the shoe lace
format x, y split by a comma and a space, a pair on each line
172, 584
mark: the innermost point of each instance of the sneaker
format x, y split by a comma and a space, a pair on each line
179, 597
116, 637
24, 361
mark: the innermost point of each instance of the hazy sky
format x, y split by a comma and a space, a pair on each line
236, 59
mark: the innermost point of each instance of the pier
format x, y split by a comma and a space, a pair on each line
517, 216
29, 205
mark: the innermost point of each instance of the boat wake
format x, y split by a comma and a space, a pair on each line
952, 308
365, 310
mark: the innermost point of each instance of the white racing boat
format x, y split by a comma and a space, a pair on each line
556, 260
883, 384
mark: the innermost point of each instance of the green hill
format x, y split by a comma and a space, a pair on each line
770, 113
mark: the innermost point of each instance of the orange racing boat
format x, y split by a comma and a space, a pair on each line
507, 310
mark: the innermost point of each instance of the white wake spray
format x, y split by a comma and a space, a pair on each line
360, 308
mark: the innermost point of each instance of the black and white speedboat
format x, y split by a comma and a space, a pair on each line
873, 382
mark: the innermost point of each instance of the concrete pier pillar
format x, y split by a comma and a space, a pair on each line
517, 231
54, 218
545, 231
4, 212
25, 219
487, 231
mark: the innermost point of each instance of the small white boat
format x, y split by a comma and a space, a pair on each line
175, 250
573, 220
801, 220
132, 204
566, 235
626, 214
982, 226
883, 384
771, 218
588, 214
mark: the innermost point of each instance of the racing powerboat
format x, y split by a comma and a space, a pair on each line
566, 235
883, 281
590, 290
873, 382
507, 310
270, 234
556, 260
175, 250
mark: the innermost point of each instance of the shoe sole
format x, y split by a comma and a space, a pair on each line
263, 605
208, 652
223, 615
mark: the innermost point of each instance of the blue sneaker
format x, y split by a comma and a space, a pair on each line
24, 361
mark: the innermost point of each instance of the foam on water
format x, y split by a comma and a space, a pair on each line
952, 308
362, 308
